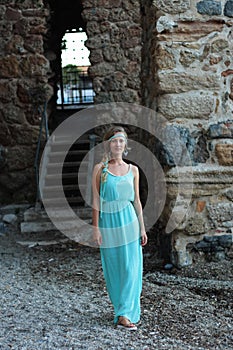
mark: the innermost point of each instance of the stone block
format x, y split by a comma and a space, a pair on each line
200, 206
217, 46
164, 58
20, 157
219, 213
186, 105
9, 67
176, 147
224, 153
228, 9
191, 31
176, 82
12, 14
13, 114
209, 7
10, 219
171, 6
7, 91
32, 65
221, 130
187, 57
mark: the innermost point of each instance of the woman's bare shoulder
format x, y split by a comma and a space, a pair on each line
98, 167
134, 169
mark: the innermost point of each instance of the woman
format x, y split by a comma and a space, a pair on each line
119, 228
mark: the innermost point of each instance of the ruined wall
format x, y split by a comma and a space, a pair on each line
114, 32
172, 56
24, 72
194, 92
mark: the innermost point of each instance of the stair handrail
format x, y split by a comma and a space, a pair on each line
43, 124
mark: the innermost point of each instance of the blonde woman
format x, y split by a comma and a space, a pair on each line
118, 228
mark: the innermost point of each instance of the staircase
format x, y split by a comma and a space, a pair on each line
76, 184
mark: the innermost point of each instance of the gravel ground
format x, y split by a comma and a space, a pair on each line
54, 297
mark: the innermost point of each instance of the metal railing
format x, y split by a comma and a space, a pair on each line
43, 125
76, 88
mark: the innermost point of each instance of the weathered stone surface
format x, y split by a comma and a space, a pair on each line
15, 45
228, 9
13, 114
186, 105
9, 67
96, 56
224, 153
20, 157
219, 212
219, 45
196, 225
191, 30
172, 7
12, 14
10, 218
221, 130
176, 82
95, 14
165, 23
34, 44
7, 90
24, 134
98, 41
33, 65
209, 7
101, 69
187, 57
5, 136
229, 193
176, 147
164, 58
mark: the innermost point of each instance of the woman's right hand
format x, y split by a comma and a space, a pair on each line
97, 238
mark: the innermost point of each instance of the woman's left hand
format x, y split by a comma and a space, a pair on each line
143, 238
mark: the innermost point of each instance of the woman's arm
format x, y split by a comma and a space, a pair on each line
138, 206
96, 203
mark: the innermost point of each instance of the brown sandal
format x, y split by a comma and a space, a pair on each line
123, 322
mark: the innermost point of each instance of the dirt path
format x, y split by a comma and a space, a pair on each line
54, 297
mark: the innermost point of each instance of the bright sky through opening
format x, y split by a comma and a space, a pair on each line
76, 52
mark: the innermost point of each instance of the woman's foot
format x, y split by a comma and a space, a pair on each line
123, 322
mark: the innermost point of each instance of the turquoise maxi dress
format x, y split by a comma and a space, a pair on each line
121, 251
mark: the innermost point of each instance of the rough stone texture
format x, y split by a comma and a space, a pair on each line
115, 67
221, 130
184, 81
186, 105
228, 9
191, 31
171, 6
209, 7
224, 154
23, 66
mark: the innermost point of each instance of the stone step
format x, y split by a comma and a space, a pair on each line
32, 215
59, 202
67, 164
43, 226
54, 188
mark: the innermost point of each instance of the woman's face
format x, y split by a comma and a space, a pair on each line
117, 145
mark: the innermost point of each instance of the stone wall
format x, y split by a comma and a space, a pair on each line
174, 57
24, 71
114, 31
194, 72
